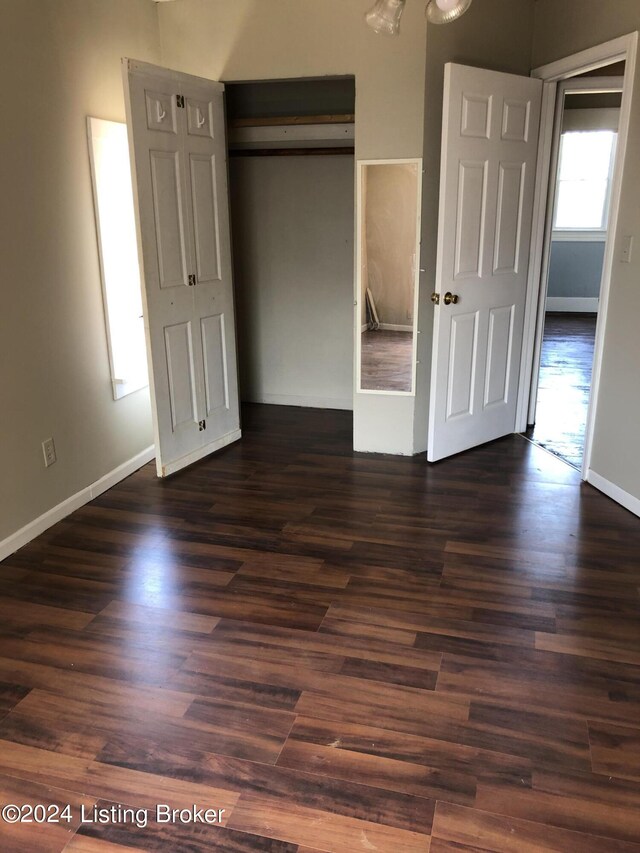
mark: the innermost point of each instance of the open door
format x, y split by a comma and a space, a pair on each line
489, 150
178, 151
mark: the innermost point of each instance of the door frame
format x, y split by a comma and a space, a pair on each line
579, 84
624, 48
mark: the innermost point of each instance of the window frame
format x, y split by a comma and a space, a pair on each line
577, 233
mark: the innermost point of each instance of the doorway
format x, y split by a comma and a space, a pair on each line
590, 61
583, 164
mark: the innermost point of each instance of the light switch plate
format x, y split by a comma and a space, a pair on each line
627, 249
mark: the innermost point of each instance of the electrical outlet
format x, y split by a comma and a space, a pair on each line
49, 452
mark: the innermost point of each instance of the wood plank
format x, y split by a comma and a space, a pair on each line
330, 832
459, 828
615, 750
50, 837
582, 802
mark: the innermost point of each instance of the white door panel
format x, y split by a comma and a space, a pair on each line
509, 218
178, 144
216, 380
205, 215
472, 187
496, 386
182, 376
166, 184
490, 130
462, 354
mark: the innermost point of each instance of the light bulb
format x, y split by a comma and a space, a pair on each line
385, 16
446, 5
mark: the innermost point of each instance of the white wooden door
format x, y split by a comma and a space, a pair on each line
178, 149
489, 147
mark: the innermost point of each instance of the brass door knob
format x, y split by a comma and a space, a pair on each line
435, 298
451, 298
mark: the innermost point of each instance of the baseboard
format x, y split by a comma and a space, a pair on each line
614, 492
364, 327
395, 327
573, 304
345, 404
23, 536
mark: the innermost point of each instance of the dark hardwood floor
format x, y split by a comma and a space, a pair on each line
387, 360
565, 385
343, 652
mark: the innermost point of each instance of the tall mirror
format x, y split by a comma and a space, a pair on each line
388, 252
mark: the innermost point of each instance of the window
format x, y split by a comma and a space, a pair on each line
584, 180
113, 197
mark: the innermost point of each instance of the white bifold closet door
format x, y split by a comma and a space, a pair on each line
178, 149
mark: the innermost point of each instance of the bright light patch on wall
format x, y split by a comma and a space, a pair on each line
113, 197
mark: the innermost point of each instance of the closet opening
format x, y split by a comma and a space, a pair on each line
291, 186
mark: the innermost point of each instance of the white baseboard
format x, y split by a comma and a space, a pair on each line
364, 327
21, 537
614, 492
574, 304
395, 327
305, 402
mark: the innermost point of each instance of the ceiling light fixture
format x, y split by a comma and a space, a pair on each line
445, 11
384, 17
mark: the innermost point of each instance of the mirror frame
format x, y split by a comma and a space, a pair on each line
360, 166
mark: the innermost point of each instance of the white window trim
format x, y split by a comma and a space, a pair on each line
565, 235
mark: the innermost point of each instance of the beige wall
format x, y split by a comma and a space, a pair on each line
560, 30
292, 220
278, 39
390, 238
60, 60
493, 34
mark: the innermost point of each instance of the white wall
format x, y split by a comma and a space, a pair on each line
293, 267
562, 29
60, 60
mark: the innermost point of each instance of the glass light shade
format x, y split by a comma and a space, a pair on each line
445, 11
385, 16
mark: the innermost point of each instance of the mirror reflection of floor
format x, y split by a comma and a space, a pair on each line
386, 361
565, 382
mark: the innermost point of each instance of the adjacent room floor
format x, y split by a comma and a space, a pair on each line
387, 360
565, 385
344, 652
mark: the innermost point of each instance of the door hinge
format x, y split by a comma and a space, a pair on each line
180, 102
192, 281
202, 425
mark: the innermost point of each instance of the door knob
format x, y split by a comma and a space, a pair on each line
435, 298
451, 298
